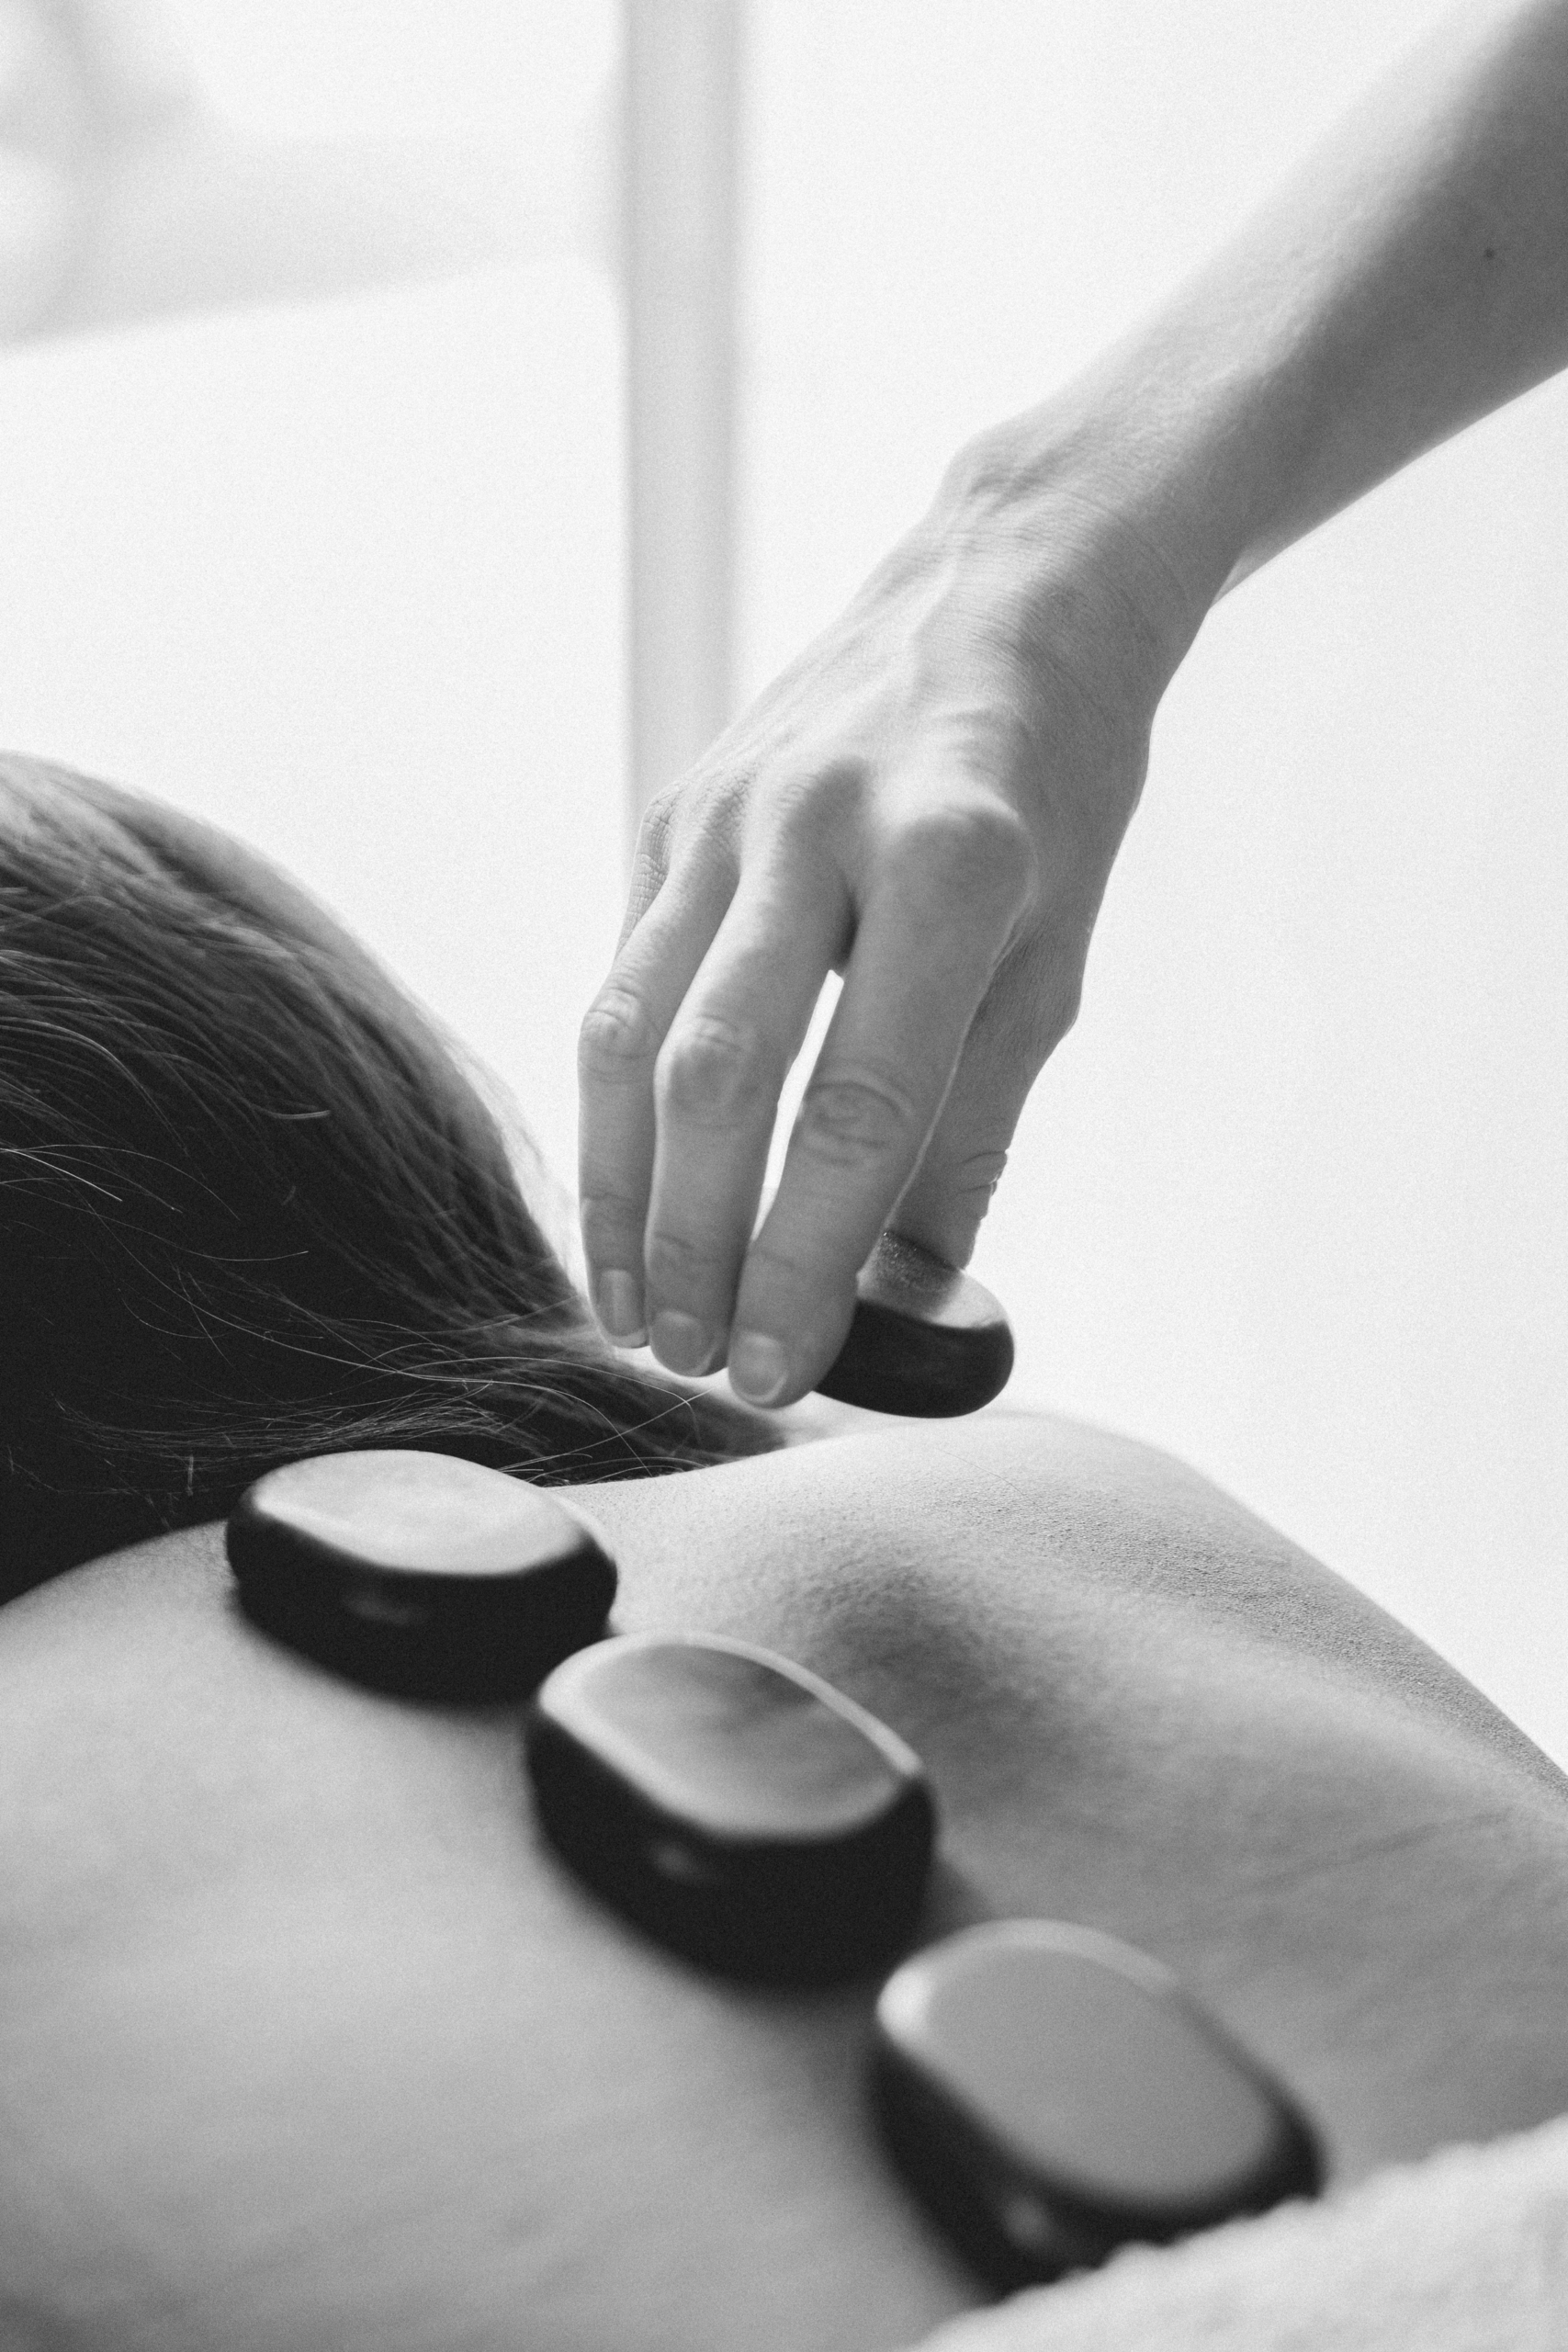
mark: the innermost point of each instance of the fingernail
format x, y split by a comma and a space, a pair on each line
679, 1343
620, 1310
758, 1368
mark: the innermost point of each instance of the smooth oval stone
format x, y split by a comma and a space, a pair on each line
419, 1573
924, 1340
1051, 2093
733, 1805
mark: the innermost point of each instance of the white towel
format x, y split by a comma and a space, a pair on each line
1466, 2252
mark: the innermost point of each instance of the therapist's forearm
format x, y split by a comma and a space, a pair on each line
1412, 276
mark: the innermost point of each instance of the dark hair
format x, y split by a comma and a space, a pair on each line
250, 1209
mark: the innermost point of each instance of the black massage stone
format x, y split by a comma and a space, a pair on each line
925, 1339
419, 1573
1051, 2094
734, 1806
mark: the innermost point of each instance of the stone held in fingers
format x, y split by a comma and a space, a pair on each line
925, 1339
1052, 2094
732, 1806
419, 1573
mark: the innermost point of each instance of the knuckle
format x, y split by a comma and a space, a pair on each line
607, 1219
976, 844
702, 813
786, 1271
715, 1069
602, 1204
652, 857
967, 1188
851, 1120
786, 1278
817, 798
676, 1266
658, 825
976, 1176
618, 1040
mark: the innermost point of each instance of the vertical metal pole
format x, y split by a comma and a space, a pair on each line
680, 180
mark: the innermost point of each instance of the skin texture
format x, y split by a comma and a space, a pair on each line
304, 2040
929, 799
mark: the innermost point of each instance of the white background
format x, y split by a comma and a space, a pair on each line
1292, 1199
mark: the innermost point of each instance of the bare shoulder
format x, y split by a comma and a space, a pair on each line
1024, 1521
287, 1958
1145, 1709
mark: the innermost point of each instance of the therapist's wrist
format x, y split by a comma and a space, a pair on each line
1155, 470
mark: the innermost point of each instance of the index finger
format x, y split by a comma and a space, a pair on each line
933, 930
618, 1048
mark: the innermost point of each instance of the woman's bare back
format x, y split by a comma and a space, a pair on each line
308, 2041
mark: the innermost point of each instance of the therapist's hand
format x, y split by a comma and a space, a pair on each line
929, 801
